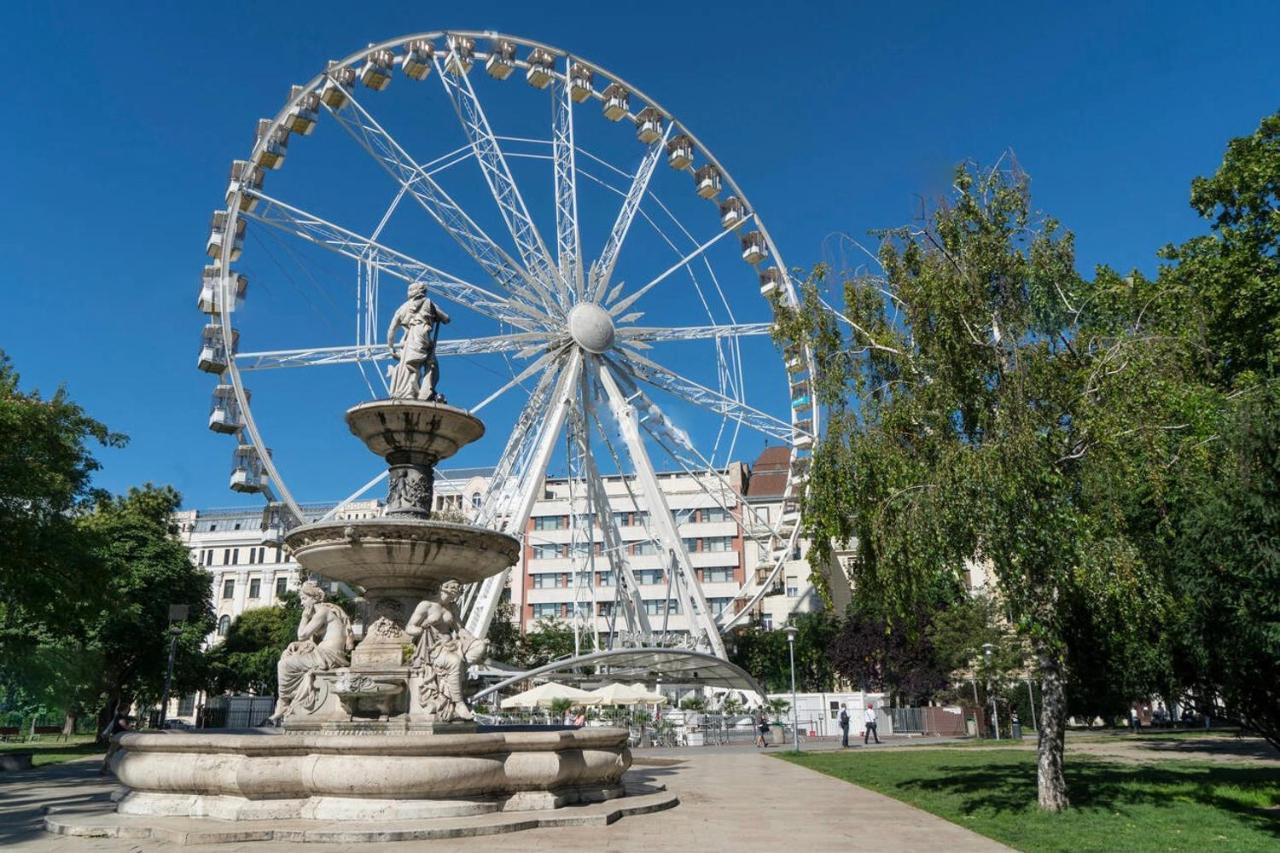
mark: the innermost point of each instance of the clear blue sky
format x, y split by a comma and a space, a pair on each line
121, 120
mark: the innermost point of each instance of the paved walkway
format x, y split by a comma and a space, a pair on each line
737, 800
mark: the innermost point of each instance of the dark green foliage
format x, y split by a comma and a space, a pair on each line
1228, 569
46, 462
764, 654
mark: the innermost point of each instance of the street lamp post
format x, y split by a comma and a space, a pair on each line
995, 713
795, 711
177, 615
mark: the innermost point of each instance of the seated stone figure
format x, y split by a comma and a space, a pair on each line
443, 651
324, 643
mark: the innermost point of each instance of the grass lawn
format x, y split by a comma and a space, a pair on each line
1165, 805
49, 751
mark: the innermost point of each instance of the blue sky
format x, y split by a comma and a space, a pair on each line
121, 121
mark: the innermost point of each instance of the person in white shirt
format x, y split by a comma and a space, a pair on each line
869, 721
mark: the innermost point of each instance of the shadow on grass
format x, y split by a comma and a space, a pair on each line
1009, 787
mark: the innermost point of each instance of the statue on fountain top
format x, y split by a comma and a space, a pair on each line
416, 372
443, 651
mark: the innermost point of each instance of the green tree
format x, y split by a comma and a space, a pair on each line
245, 659
764, 653
547, 640
990, 405
46, 465
1229, 571
504, 634
133, 539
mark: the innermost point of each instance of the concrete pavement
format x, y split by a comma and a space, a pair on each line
745, 801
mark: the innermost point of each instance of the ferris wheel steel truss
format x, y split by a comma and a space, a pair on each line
534, 297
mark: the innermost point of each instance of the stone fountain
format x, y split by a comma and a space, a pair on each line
381, 730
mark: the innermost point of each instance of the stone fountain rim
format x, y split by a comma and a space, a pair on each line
368, 528
282, 743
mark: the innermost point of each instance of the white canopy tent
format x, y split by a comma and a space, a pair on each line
623, 694
543, 695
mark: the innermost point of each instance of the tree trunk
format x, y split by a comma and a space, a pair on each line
69, 724
1051, 784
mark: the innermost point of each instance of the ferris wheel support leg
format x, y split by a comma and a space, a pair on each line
491, 589
696, 604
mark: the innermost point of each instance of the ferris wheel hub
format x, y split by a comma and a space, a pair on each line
591, 327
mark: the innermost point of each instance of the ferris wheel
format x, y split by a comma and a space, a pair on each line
634, 338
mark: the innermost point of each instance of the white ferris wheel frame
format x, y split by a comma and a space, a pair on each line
540, 289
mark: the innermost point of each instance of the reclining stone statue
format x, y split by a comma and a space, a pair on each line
324, 643
443, 652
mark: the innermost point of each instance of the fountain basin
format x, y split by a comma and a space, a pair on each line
429, 431
361, 777
401, 554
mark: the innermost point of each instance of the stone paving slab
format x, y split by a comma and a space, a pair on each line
740, 801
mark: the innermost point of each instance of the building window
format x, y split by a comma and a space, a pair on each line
228, 588
213, 528
718, 575
653, 607
235, 556
547, 610
648, 576
253, 556
766, 621
224, 624
547, 580
793, 588
475, 500
282, 586
237, 526
718, 605
644, 548
714, 513
549, 551
226, 556
604, 608
550, 522
605, 579
255, 588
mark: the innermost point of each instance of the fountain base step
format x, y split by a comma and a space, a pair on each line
98, 822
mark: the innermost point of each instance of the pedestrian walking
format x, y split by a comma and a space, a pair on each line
869, 721
844, 724
762, 732
1134, 719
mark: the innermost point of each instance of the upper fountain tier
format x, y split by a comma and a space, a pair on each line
425, 432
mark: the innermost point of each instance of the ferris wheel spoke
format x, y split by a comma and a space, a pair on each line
497, 174
519, 378
704, 397
342, 241
439, 205
317, 356
649, 334
625, 303
603, 272
614, 549
528, 485
568, 234
700, 617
